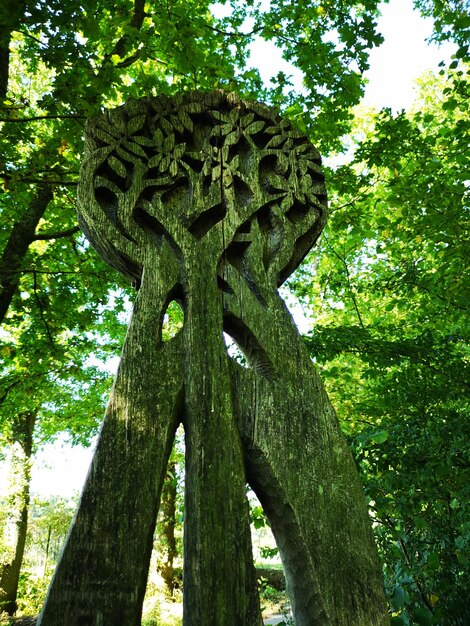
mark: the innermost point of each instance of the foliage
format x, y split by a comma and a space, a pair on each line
391, 334
388, 285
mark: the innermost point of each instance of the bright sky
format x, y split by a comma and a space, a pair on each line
401, 59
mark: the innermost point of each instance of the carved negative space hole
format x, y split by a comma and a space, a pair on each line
195, 164
243, 193
235, 252
152, 173
173, 321
223, 285
266, 554
260, 139
244, 229
165, 571
244, 151
108, 202
249, 346
207, 219
302, 245
148, 193
297, 212
149, 223
178, 196
267, 167
264, 218
234, 351
107, 172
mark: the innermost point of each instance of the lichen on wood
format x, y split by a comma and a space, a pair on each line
212, 201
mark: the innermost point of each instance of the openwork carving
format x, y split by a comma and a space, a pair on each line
212, 202
196, 166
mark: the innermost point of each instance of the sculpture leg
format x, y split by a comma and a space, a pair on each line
102, 574
300, 467
217, 547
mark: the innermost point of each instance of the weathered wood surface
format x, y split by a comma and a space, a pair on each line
213, 202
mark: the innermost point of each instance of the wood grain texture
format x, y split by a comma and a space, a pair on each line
213, 201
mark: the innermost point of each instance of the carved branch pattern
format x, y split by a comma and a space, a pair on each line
203, 165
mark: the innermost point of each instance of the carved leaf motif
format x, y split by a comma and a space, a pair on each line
282, 164
232, 138
303, 167
158, 138
194, 107
103, 135
272, 130
196, 156
173, 168
125, 155
186, 121
234, 115
165, 163
119, 121
117, 166
169, 143
135, 124
179, 150
165, 124
275, 141
247, 119
143, 141
220, 117
155, 161
255, 127
315, 168
135, 148
278, 182
109, 128
176, 123
216, 131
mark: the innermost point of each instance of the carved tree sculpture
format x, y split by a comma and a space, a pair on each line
212, 201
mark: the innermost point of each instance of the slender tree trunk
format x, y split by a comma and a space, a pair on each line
217, 536
11, 14
21, 236
167, 526
17, 524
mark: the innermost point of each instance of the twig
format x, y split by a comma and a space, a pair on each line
56, 235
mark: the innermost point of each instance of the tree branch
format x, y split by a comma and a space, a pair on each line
57, 235
42, 117
41, 310
21, 236
348, 278
136, 22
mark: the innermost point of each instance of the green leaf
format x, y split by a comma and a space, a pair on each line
380, 437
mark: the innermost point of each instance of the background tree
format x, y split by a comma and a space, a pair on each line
392, 332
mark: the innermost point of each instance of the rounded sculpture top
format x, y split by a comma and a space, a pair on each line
195, 167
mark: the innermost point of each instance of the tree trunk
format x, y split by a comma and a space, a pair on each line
167, 525
21, 236
11, 14
17, 519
